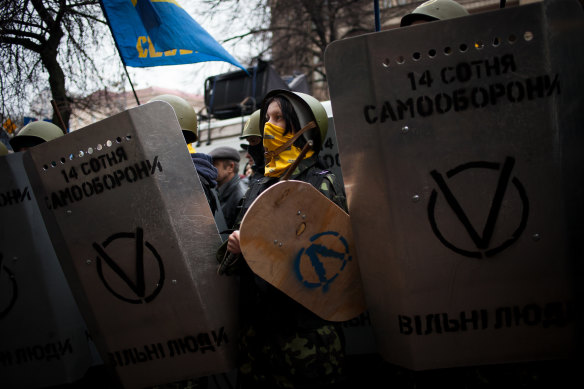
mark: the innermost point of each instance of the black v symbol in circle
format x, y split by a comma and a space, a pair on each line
481, 241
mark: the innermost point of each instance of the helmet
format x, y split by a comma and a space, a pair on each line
35, 133
185, 113
252, 126
434, 10
3, 149
307, 109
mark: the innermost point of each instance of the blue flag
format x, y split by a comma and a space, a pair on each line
159, 32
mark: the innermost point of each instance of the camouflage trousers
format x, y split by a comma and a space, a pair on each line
296, 358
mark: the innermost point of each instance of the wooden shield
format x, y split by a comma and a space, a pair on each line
302, 243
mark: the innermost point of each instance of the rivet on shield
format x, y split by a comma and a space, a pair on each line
536, 237
304, 216
68, 212
405, 129
415, 198
275, 241
14, 258
88, 262
174, 282
280, 244
299, 213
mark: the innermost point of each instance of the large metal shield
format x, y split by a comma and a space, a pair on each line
461, 143
329, 153
135, 235
43, 336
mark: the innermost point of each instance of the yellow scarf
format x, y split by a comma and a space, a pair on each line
274, 138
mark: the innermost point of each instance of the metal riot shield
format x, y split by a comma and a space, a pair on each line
330, 148
44, 338
461, 143
135, 235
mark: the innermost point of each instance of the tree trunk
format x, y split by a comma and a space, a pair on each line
57, 84
48, 54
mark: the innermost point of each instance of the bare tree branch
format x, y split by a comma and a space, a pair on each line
50, 45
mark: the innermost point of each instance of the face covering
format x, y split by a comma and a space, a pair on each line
279, 162
257, 154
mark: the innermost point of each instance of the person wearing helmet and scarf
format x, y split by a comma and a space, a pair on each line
283, 344
254, 147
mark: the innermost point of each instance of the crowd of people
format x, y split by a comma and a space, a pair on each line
282, 344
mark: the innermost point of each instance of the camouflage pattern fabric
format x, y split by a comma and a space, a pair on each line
293, 358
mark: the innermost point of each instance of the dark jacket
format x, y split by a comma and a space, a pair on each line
283, 343
230, 195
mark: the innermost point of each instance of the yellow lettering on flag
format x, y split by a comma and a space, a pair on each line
142, 53
151, 51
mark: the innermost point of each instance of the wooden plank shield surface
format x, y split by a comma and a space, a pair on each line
302, 243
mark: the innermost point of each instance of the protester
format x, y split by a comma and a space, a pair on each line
230, 188
283, 344
35, 133
255, 149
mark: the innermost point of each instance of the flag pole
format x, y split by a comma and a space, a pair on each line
129, 79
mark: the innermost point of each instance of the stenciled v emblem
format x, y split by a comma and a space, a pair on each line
129, 279
506, 186
320, 264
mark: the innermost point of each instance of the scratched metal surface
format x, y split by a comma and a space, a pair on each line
43, 334
137, 241
465, 210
